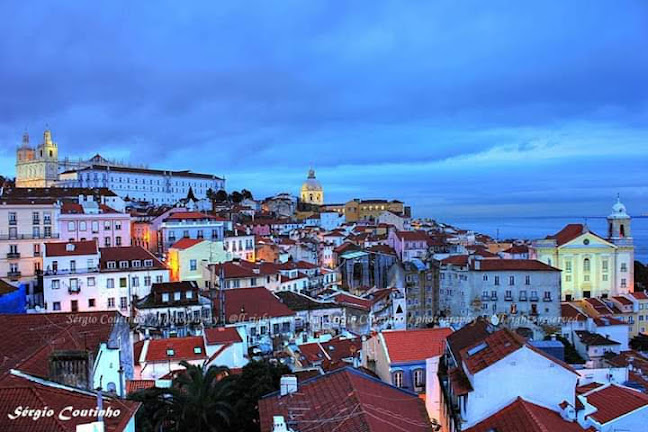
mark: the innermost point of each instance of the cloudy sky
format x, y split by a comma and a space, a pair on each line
460, 108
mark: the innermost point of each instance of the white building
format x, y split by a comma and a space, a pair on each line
80, 277
151, 185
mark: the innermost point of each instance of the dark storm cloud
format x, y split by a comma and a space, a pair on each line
438, 103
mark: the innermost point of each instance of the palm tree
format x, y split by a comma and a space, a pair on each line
198, 400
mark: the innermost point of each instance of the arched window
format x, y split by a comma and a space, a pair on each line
622, 230
398, 379
419, 379
586, 265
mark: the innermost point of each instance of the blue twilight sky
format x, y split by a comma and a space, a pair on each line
460, 108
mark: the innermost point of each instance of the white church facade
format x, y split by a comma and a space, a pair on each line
592, 265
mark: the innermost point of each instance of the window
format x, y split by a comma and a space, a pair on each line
95, 227
111, 265
604, 265
36, 249
485, 278
527, 280
624, 283
56, 284
170, 352
497, 280
418, 378
73, 266
197, 350
547, 296
83, 226
123, 282
165, 297
110, 283
74, 305
604, 278
123, 264
177, 295
91, 303
568, 266
91, 281
118, 241
398, 379
624, 268
147, 280
106, 225
586, 265
123, 302
111, 302
117, 225
189, 294
511, 280
56, 306
71, 226
193, 265
47, 218
159, 279
148, 263
137, 263
74, 285
185, 233
508, 295
135, 281
36, 232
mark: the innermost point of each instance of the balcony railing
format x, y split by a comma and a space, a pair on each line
508, 298
13, 222
14, 274
51, 272
534, 298
493, 298
27, 236
485, 297
74, 290
546, 299
35, 221
13, 255
523, 298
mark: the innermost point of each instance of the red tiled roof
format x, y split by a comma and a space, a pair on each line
624, 301
383, 249
608, 321
186, 243
490, 350
222, 335
600, 307
245, 304
567, 234
183, 349
17, 391
468, 335
459, 382
639, 295
511, 265
415, 345
128, 253
458, 260
33, 337
351, 401
78, 248
614, 401
342, 298
413, 236
571, 312
517, 249
524, 416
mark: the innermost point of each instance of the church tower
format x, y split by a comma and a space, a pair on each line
620, 234
619, 223
37, 167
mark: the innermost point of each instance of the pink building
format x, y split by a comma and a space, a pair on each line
409, 244
92, 220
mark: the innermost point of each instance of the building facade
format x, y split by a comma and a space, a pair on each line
592, 266
37, 167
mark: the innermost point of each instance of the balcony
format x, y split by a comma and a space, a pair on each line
74, 290
51, 272
523, 298
508, 298
534, 298
13, 222
546, 299
485, 297
14, 274
493, 298
35, 221
13, 255
27, 236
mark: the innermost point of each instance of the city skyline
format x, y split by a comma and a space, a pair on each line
377, 109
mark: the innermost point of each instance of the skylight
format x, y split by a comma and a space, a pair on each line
474, 350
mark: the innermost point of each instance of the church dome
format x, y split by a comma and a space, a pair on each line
619, 210
311, 184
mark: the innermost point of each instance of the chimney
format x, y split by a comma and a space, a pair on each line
279, 424
71, 367
288, 384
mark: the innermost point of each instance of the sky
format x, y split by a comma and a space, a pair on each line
459, 108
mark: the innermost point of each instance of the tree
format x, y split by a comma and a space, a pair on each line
221, 196
257, 379
236, 197
198, 400
247, 194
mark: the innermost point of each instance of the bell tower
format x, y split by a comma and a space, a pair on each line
619, 223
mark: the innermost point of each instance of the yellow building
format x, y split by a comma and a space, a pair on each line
37, 167
592, 266
312, 191
357, 209
188, 259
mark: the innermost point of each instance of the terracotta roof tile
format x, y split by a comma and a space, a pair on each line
186, 243
415, 345
222, 335
351, 400
183, 349
525, 416
614, 401
60, 249
245, 304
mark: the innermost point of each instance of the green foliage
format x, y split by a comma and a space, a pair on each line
199, 400
641, 276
